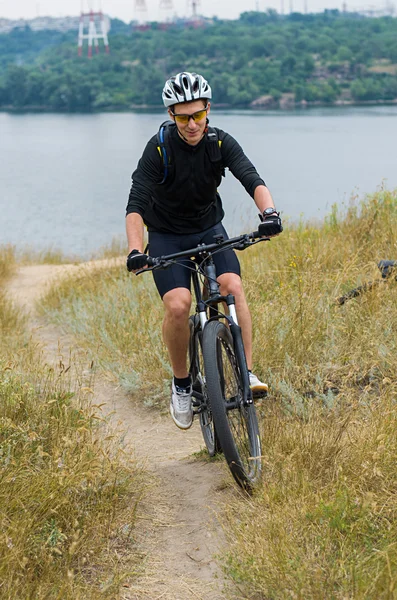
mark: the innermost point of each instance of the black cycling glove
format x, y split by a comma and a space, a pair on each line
270, 225
136, 260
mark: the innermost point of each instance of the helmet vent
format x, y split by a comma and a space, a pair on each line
177, 89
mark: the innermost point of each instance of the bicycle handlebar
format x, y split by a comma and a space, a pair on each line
240, 243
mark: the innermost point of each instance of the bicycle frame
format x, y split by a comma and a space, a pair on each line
212, 302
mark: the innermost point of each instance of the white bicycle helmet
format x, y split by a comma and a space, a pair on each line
185, 87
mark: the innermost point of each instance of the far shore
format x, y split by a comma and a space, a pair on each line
255, 107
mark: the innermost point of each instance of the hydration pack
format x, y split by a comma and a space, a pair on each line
212, 147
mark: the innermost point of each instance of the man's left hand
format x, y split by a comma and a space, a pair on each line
270, 226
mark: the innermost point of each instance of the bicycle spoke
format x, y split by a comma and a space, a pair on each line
236, 422
233, 393
199, 384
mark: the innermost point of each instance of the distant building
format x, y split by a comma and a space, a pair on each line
41, 23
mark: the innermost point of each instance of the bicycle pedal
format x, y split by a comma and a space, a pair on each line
258, 395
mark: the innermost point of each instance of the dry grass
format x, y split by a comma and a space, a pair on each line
49, 256
117, 247
67, 499
324, 524
305, 343
7, 263
11, 256
12, 322
118, 318
68, 496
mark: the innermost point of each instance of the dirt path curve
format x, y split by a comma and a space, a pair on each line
178, 532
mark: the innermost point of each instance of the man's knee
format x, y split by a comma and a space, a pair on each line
230, 283
177, 303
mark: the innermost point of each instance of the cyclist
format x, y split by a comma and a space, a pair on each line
174, 193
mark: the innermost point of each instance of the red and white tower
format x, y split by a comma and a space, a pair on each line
194, 20
97, 25
193, 4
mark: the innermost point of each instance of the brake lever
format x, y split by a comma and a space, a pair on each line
250, 241
241, 246
161, 265
145, 270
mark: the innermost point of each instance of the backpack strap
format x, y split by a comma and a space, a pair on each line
213, 148
164, 148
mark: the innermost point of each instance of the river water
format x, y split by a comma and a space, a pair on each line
64, 179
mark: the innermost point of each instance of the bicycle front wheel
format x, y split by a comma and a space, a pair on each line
235, 421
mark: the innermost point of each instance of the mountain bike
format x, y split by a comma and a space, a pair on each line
387, 269
222, 398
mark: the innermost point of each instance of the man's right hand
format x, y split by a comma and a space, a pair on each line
136, 260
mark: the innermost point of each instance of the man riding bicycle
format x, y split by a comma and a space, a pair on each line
174, 193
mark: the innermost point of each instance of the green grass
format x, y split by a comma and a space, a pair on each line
324, 524
203, 456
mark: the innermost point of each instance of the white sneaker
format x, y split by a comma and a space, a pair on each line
258, 388
181, 406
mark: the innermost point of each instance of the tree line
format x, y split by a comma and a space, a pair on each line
315, 58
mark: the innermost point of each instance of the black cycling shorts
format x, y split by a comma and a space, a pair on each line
178, 275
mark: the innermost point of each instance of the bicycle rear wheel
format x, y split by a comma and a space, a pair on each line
200, 394
235, 421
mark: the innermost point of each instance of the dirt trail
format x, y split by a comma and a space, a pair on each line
178, 530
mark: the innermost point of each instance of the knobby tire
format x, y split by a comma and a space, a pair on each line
199, 385
237, 427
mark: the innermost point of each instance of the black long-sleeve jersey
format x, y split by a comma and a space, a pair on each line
188, 201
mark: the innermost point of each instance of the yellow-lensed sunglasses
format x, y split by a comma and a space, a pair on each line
184, 119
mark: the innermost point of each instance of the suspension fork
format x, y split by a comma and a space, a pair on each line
237, 336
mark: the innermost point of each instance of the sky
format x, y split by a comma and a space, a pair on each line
124, 9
